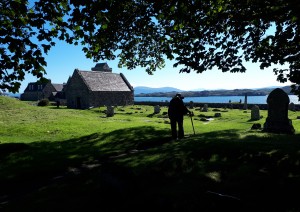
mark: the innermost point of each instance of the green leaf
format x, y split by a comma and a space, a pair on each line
104, 26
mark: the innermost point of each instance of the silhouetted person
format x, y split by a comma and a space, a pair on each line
176, 111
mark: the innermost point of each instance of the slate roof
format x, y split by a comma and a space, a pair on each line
33, 86
105, 81
58, 87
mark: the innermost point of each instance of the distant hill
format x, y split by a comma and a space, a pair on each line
147, 90
169, 92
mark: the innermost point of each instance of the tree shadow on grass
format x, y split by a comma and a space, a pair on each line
44, 164
263, 171
8, 148
141, 169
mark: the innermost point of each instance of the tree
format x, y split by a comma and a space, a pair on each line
26, 35
197, 34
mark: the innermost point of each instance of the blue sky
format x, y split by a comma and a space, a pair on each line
64, 58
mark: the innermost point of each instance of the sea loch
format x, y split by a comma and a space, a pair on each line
217, 99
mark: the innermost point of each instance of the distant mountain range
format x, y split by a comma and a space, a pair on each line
142, 91
147, 90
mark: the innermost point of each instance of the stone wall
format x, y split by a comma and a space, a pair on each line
31, 96
47, 91
76, 93
111, 98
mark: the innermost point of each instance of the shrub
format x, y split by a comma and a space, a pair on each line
43, 102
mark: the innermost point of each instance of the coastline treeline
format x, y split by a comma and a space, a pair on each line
222, 92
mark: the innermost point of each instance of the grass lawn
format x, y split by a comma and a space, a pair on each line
59, 159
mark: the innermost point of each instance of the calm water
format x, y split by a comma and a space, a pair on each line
216, 99
209, 99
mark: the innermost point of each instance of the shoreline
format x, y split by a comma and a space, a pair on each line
214, 105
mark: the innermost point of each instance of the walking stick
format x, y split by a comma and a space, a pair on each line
192, 122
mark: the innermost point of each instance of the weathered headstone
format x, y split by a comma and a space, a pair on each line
191, 105
255, 114
245, 103
277, 120
156, 109
110, 112
205, 108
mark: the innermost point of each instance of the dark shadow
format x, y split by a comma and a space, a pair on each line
141, 169
151, 115
254, 120
205, 116
8, 148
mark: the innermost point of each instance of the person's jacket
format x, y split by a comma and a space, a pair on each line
177, 108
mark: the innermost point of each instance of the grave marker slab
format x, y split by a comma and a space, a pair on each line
277, 120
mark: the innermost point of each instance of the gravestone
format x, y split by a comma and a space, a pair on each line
255, 114
205, 108
110, 112
156, 109
191, 105
277, 120
245, 103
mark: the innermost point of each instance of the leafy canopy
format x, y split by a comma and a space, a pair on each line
197, 34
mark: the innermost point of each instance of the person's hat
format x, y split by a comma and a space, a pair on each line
179, 95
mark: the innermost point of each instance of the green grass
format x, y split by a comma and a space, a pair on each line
54, 159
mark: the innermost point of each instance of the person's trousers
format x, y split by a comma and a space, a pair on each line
178, 122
